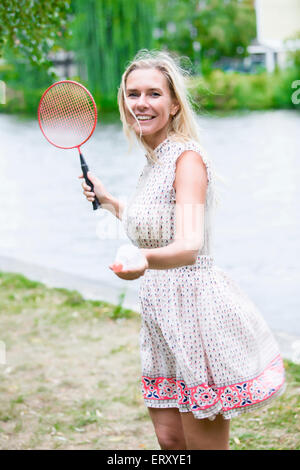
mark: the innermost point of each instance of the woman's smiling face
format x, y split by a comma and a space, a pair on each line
148, 95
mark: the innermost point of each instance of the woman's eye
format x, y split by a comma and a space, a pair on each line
155, 93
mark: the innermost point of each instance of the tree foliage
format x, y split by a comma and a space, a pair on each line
294, 55
206, 30
106, 35
30, 28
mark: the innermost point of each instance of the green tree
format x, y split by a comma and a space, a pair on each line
206, 30
294, 56
30, 28
106, 35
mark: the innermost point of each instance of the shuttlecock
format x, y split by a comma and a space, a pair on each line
130, 257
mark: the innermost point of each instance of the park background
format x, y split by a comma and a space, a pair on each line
244, 63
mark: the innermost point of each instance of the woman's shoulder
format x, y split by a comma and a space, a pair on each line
178, 146
181, 146
184, 144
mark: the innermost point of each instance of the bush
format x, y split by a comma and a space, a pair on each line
26, 84
234, 90
218, 90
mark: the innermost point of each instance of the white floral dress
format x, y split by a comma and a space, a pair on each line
205, 347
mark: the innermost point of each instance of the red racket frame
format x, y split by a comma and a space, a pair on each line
84, 166
95, 109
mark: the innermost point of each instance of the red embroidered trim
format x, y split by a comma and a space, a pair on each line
204, 396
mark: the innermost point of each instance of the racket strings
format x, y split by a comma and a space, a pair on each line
67, 114
67, 107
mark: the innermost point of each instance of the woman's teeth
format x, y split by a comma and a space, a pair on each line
144, 118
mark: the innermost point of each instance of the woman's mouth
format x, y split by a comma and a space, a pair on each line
144, 117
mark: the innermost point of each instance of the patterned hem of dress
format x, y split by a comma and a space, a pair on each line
206, 401
215, 410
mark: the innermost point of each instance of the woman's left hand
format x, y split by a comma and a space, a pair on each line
129, 274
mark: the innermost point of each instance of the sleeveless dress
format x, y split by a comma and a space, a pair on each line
205, 348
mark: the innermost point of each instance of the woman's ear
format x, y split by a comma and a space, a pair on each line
174, 108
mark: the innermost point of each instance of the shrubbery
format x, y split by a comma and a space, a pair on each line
218, 90
234, 90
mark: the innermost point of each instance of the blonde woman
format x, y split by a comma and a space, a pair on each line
207, 355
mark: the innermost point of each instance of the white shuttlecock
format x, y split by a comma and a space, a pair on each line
130, 257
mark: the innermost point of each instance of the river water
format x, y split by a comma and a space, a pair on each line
47, 226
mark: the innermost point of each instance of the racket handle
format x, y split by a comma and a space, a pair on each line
85, 169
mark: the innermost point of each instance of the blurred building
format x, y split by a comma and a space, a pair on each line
276, 22
64, 64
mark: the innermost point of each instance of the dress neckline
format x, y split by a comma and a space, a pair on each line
162, 144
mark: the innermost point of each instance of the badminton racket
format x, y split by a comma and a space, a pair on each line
67, 117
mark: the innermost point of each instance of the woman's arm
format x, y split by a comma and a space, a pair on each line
190, 185
114, 206
171, 256
106, 200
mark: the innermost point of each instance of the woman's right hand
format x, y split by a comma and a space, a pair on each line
99, 190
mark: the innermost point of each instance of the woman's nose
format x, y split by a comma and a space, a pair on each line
142, 101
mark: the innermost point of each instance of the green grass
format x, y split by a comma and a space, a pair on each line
72, 371
276, 427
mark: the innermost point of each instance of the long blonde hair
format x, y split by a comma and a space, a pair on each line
183, 125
